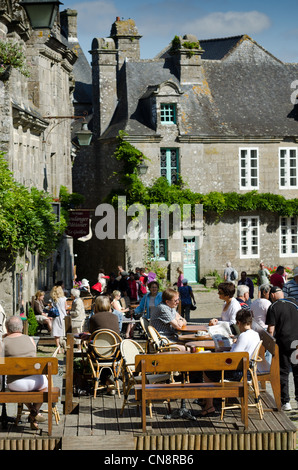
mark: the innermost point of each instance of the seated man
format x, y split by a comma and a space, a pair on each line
165, 319
246, 341
243, 295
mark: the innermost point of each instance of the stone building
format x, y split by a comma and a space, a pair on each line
220, 114
38, 147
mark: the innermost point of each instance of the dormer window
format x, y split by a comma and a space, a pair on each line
168, 113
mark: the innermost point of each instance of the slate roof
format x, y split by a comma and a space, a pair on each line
82, 72
217, 49
238, 97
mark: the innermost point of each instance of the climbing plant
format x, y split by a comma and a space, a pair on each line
163, 192
27, 220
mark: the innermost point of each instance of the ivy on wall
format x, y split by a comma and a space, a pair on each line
27, 220
162, 192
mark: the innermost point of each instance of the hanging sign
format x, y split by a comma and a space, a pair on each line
78, 225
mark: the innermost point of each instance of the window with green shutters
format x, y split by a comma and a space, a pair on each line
169, 164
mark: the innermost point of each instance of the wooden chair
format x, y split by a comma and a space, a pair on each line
103, 351
129, 350
31, 366
253, 385
54, 406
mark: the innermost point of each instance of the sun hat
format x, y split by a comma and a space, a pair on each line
84, 282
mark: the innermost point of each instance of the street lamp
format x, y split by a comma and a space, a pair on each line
142, 167
41, 13
84, 135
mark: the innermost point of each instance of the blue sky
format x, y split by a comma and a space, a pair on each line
273, 24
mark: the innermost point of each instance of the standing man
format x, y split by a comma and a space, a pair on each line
277, 279
186, 297
246, 281
263, 275
230, 274
282, 321
290, 289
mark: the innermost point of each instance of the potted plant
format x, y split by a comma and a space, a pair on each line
12, 56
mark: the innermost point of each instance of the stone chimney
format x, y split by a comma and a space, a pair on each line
68, 22
187, 52
127, 40
104, 83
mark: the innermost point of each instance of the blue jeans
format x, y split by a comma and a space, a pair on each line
120, 317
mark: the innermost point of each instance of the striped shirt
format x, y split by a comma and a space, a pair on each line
290, 289
161, 320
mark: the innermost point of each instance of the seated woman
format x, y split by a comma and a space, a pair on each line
150, 301
246, 341
165, 318
226, 291
77, 313
103, 317
16, 344
38, 307
119, 311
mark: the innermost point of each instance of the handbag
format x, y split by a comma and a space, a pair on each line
193, 306
54, 312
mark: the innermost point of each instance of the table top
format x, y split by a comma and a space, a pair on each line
192, 328
193, 337
209, 345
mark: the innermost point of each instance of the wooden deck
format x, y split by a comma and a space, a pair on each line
96, 424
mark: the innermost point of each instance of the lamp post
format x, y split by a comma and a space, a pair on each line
41, 13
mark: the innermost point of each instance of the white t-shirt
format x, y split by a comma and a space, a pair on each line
259, 308
247, 341
230, 314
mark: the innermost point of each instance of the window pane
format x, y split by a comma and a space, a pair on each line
169, 165
288, 168
288, 236
249, 168
249, 241
168, 113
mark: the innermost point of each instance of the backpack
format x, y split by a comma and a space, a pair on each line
232, 276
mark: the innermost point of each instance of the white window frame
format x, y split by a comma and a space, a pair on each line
248, 168
253, 246
288, 236
286, 168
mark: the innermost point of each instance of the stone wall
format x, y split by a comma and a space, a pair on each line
38, 149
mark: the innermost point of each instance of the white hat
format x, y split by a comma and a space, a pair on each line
84, 282
295, 272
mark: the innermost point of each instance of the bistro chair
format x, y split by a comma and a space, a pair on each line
144, 322
253, 386
159, 342
103, 351
129, 350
